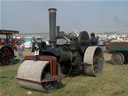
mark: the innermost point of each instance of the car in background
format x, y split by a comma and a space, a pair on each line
28, 45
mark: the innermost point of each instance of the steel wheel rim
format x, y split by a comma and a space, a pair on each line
117, 58
97, 63
51, 85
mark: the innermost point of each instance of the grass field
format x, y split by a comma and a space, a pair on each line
113, 82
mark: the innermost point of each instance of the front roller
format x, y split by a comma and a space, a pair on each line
39, 75
93, 61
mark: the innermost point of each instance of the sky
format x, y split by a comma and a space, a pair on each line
92, 16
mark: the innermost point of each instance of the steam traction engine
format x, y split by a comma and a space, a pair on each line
44, 71
7, 46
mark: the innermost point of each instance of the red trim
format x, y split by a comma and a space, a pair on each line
0, 42
53, 78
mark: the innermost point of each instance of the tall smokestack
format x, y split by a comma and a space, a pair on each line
52, 26
57, 30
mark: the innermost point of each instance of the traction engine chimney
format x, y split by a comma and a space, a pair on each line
52, 26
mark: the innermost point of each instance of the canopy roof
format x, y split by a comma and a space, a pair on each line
9, 32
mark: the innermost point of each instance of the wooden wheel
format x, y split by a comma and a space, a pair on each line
6, 55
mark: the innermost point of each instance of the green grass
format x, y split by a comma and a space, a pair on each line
113, 82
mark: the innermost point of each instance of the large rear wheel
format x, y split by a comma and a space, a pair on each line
6, 55
94, 60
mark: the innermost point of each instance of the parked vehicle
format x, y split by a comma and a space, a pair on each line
7, 46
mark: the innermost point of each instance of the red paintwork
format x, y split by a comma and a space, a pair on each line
0, 42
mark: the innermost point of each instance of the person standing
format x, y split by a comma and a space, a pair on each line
94, 40
20, 52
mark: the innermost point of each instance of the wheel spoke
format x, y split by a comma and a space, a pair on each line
2, 56
5, 50
3, 61
96, 63
49, 86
